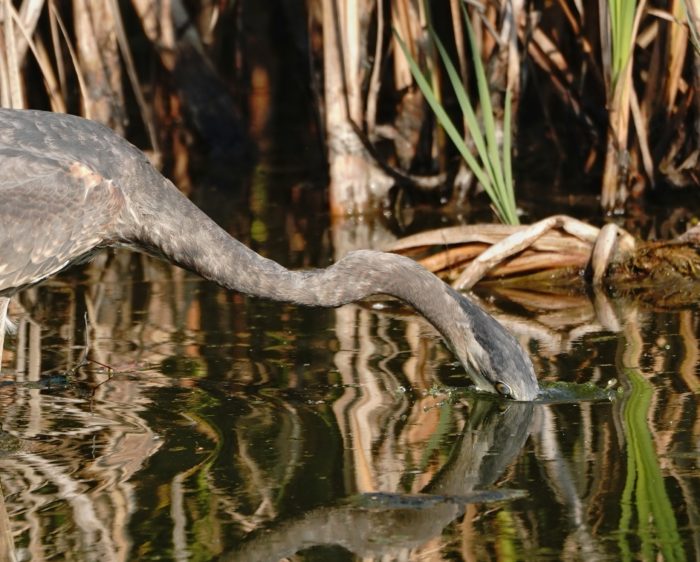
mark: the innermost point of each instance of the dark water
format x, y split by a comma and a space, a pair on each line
237, 429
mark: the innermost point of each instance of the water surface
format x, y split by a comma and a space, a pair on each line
233, 428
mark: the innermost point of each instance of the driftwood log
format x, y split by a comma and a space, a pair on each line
560, 250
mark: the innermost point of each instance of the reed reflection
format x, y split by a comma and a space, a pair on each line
380, 524
258, 430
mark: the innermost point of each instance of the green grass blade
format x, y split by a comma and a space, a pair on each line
467, 110
462, 97
507, 162
493, 171
621, 14
441, 114
486, 109
499, 190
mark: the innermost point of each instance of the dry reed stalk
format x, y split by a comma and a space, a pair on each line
340, 159
28, 17
356, 182
616, 167
73, 56
145, 110
662, 36
546, 54
15, 95
56, 46
404, 20
374, 81
527, 262
571, 305
667, 38
98, 53
460, 45
42, 58
4, 85
157, 25
640, 126
551, 60
574, 21
411, 111
677, 44
514, 18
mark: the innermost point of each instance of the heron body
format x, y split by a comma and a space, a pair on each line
70, 186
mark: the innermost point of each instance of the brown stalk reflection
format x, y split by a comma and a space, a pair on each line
92, 493
377, 525
589, 481
282, 452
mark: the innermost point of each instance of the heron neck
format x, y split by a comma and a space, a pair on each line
179, 231
356, 276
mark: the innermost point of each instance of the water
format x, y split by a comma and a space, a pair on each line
238, 429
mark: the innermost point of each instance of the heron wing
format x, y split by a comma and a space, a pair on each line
53, 211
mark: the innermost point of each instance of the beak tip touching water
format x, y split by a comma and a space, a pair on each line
495, 359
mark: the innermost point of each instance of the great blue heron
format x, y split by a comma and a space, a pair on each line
69, 186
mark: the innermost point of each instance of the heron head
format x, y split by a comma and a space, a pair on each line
492, 356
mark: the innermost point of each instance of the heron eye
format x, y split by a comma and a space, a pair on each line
503, 389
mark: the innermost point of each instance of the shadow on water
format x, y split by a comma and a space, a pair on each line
247, 430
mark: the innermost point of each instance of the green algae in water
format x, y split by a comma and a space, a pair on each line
550, 393
561, 391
